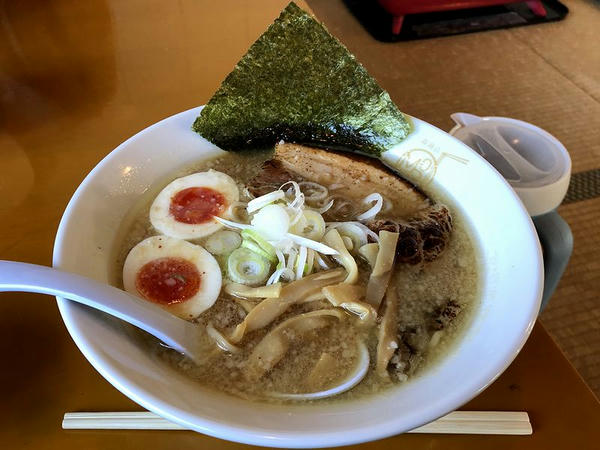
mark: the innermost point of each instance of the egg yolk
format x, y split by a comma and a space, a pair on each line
196, 205
168, 280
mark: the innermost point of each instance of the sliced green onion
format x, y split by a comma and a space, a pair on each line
298, 201
314, 227
223, 242
300, 263
284, 245
299, 223
280, 258
254, 236
296, 214
321, 261
325, 208
281, 273
247, 267
230, 224
274, 278
319, 247
264, 200
253, 247
377, 201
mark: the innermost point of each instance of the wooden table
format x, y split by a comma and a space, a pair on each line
76, 79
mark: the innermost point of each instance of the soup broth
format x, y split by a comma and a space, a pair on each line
435, 303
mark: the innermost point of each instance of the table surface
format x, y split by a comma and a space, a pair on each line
77, 78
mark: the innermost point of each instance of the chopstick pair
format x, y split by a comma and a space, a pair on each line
457, 422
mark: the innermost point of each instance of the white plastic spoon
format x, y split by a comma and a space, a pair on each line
177, 333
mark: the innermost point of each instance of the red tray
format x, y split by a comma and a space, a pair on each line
400, 8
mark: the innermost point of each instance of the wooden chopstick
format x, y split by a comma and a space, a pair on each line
480, 422
457, 422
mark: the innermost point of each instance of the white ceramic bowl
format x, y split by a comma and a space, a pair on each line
512, 288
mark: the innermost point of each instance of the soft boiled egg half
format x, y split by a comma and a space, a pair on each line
180, 276
186, 208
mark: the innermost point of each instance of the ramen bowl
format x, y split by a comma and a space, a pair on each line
511, 287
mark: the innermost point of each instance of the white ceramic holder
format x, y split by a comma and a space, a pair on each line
534, 162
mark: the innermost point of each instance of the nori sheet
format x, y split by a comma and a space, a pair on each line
300, 84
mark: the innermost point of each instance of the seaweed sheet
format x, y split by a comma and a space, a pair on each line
300, 84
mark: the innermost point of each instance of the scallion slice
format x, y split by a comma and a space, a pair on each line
247, 267
253, 247
264, 200
254, 236
318, 246
223, 242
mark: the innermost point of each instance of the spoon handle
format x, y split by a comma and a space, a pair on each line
173, 331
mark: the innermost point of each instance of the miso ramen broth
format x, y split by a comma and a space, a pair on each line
435, 301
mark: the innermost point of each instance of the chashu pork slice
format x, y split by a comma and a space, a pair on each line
424, 226
354, 176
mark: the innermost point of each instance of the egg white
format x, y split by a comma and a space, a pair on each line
162, 219
163, 247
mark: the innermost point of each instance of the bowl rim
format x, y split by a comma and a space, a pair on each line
266, 437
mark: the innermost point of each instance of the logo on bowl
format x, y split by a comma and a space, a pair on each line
421, 165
